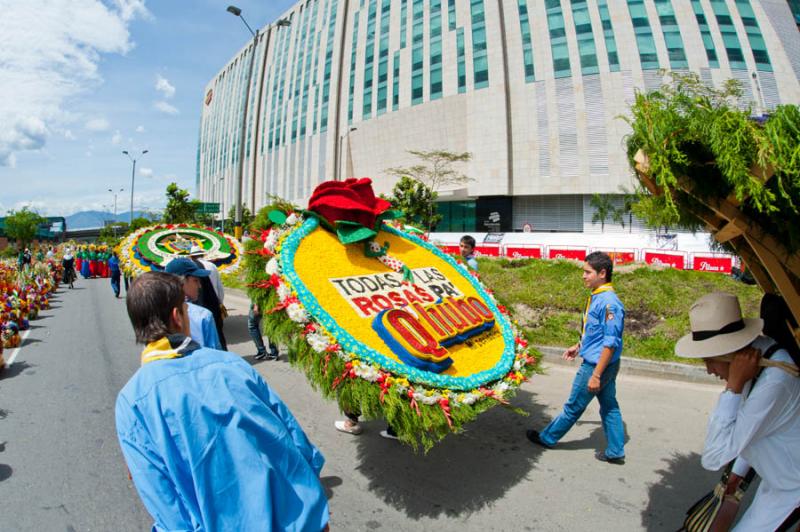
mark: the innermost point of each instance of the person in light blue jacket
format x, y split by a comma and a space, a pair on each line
208, 444
202, 326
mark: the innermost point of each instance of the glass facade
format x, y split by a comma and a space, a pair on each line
457, 216
608, 33
583, 31
648, 56
672, 34
732, 47
558, 39
480, 59
705, 33
417, 47
757, 44
435, 44
527, 42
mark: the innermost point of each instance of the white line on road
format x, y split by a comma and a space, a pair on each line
16, 351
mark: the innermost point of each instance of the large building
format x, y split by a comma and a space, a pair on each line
533, 89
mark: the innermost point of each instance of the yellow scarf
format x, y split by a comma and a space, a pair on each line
599, 290
172, 346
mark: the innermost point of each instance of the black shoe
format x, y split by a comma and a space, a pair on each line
533, 436
260, 356
601, 455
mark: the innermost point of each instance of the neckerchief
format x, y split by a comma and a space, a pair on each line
172, 346
599, 290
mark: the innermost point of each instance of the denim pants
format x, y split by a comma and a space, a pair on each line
115, 283
254, 328
579, 399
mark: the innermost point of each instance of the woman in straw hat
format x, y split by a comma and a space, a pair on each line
757, 418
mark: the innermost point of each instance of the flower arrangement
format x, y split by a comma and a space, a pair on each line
391, 328
151, 248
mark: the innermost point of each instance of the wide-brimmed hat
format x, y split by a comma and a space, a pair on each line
196, 251
717, 327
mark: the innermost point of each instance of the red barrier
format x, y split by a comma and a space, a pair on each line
523, 252
673, 260
619, 256
450, 249
711, 263
566, 253
487, 251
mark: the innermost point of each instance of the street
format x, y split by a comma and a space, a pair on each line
61, 467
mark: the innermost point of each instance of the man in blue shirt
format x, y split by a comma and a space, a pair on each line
113, 268
601, 348
209, 446
202, 326
467, 249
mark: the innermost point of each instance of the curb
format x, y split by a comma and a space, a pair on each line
630, 366
637, 366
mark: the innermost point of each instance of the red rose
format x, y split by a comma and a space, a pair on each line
352, 200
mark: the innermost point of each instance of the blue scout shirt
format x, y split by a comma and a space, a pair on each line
472, 262
113, 265
603, 323
202, 326
210, 447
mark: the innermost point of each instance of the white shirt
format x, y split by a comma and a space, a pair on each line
762, 428
216, 281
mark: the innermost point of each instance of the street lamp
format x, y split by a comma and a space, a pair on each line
113, 225
133, 178
341, 155
222, 203
243, 129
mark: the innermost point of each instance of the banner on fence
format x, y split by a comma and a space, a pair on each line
673, 260
523, 252
620, 256
566, 253
711, 263
487, 251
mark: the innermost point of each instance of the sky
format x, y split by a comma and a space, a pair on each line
83, 80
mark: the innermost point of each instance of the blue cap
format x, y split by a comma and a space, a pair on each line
186, 267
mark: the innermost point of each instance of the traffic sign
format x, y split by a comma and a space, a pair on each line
208, 208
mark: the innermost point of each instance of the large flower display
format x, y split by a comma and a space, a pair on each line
380, 319
151, 248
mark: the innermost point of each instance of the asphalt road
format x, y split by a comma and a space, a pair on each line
61, 468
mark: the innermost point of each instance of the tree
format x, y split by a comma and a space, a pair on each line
434, 171
247, 219
416, 201
628, 201
180, 209
603, 210
22, 225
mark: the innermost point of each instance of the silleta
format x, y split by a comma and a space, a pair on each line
421, 340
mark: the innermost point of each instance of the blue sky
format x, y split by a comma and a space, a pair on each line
85, 79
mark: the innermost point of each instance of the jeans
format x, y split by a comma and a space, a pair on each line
254, 328
115, 283
579, 399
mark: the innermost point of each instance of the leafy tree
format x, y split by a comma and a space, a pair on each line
180, 209
603, 210
435, 171
416, 201
628, 201
247, 219
22, 225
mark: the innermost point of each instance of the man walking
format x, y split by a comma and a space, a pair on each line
201, 322
208, 444
600, 347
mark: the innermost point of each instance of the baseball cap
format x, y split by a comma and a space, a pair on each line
186, 267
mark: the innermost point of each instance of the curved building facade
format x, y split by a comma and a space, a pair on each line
532, 88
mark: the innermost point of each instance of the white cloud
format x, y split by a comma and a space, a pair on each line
140, 129
68, 135
146, 172
164, 86
116, 138
164, 107
97, 124
49, 53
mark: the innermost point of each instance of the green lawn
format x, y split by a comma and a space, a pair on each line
548, 297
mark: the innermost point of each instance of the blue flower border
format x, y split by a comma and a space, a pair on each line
351, 345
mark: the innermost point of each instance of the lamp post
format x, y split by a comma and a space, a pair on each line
341, 155
115, 210
222, 204
243, 129
133, 178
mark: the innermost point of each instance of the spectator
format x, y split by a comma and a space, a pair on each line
201, 321
208, 444
115, 273
212, 293
757, 418
467, 248
254, 328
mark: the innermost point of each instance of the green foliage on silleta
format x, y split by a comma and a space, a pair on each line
709, 136
422, 428
548, 298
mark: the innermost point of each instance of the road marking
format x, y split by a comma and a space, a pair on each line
16, 351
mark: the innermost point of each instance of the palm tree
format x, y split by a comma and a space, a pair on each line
603, 210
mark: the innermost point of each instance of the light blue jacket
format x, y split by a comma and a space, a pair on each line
604, 325
202, 326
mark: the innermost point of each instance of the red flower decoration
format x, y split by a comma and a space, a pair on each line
352, 200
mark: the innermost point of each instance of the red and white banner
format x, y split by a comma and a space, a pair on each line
450, 249
566, 253
673, 260
486, 250
619, 256
712, 263
523, 252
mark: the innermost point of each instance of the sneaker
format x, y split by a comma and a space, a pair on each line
349, 428
533, 436
601, 455
388, 435
273, 356
260, 356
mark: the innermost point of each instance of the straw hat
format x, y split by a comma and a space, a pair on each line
717, 327
196, 251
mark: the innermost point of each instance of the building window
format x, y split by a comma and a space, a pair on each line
396, 82
732, 47
352, 85
403, 22
583, 30
480, 59
608, 33
417, 46
436, 49
648, 56
558, 39
757, 44
672, 34
705, 33
326, 82
527, 41
383, 57
369, 60
461, 52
